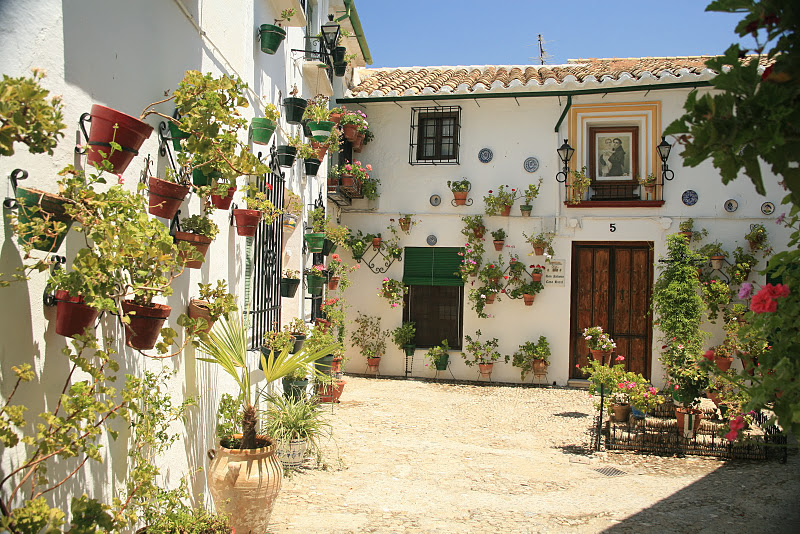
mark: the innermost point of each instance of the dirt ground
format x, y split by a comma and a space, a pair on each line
411, 456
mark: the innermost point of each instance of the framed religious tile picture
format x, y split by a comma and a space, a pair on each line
614, 153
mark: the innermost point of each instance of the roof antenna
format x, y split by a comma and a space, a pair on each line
542, 54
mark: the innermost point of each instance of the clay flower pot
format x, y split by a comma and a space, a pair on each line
506, 211
200, 244
528, 299
478, 231
333, 283
620, 412
199, 309
688, 421
405, 223
223, 203
373, 363
490, 298
165, 197
460, 197
485, 369
601, 356
246, 221
145, 324
723, 362
498, 244
130, 133
536, 277
539, 367
72, 315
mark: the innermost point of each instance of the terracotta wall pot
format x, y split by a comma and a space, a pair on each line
498, 244
350, 131
72, 315
405, 223
245, 483
536, 277
131, 133
620, 412
52, 207
376, 243
601, 356
320, 148
223, 203
539, 367
336, 364
714, 396
373, 363
199, 309
145, 326
506, 211
528, 299
336, 117
723, 362
322, 324
485, 369
165, 197
460, 197
490, 298
687, 235
688, 421
200, 244
358, 142
539, 251
246, 221
333, 283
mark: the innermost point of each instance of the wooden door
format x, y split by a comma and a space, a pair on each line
611, 287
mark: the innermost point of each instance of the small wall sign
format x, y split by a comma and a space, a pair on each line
554, 273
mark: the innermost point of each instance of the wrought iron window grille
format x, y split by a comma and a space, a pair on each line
379, 255
435, 135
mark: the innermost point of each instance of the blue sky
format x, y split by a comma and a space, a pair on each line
504, 32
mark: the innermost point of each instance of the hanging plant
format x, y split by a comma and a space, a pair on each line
394, 291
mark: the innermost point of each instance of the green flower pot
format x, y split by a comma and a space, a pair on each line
294, 389
339, 69
409, 349
48, 205
441, 363
328, 247
286, 155
271, 38
315, 241
177, 134
338, 54
201, 177
289, 287
312, 166
321, 130
314, 284
294, 108
261, 130
297, 344
324, 364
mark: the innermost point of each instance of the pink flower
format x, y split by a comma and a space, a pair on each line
369, 167
358, 163
120, 179
736, 425
780, 218
652, 390
746, 290
348, 167
620, 357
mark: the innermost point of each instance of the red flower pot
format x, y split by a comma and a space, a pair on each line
601, 356
336, 365
490, 298
485, 369
223, 203
330, 392
723, 362
528, 299
165, 197
373, 363
460, 197
320, 148
376, 242
498, 244
688, 421
350, 131
333, 283
145, 326
506, 211
358, 142
200, 244
72, 315
246, 221
536, 277
199, 309
539, 251
131, 133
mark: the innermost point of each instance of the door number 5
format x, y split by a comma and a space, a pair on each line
612, 227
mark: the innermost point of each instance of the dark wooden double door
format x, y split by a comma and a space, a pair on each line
612, 287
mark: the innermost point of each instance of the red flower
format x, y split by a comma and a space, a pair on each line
490, 190
506, 277
513, 190
766, 73
709, 354
269, 186
763, 301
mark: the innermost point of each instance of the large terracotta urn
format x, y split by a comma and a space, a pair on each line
244, 484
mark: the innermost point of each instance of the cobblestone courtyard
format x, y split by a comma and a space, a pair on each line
415, 456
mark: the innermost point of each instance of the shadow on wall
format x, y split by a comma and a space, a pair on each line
701, 507
127, 54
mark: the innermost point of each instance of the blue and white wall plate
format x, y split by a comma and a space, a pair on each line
485, 155
731, 205
431, 240
689, 197
531, 164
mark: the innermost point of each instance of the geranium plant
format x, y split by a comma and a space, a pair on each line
368, 335
459, 185
596, 339
530, 352
531, 192
542, 240
437, 354
471, 258
481, 352
394, 291
404, 334
497, 201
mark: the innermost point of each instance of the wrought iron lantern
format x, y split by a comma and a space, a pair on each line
565, 153
664, 149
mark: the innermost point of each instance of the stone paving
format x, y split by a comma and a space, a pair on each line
425, 457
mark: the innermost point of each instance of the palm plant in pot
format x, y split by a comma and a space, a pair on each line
296, 424
244, 474
199, 231
403, 337
482, 353
532, 357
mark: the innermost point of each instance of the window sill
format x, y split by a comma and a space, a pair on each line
616, 204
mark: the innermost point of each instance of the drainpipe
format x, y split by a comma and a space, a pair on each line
352, 14
566, 109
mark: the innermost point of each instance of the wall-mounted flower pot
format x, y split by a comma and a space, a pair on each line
176, 134
460, 197
320, 148
202, 177
312, 166
442, 361
289, 224
358, 142
271, 38
72, 315
246, 221
528, 298
294, 108
200, 244
328, 247
333, 283
314, 284
50, 207
145, 324
130, 134
297, 342
286, 155
321, 130
338, 54
526, 210
315, 241
289, 287
200, 309
336, 117
306, 128
223, 203
165, 197
498, 244
717, 261
339, 69
261, 130
350, 131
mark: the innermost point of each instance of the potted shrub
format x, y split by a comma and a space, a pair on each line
352, 122
262, 128
532, 357
315, 279
541, 242
406, 221
272, 35
473, 224
337, 273
500, 203
294, 107
290, 281
578, 186
743, 264
530, 193
318, 115
199, 231
599, 343
717, 296
757, 237
403, 337
222, 195
438, 356
310, 161
258, 207
483, 354
460, 189
715, 253
244, 472
648, 183
358, 243
211, 305
369, 337
527, 290
296, 424
493, 272
394, 291
499, 237
316, 238
166, 195
686, 229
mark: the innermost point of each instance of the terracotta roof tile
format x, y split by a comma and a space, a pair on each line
382, 81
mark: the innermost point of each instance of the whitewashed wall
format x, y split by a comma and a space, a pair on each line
125, 55
515, 131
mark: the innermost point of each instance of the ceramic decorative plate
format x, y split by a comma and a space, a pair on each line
435, 200
689, 197
767, 208
531, 164
485, 155
431, 240
731, 205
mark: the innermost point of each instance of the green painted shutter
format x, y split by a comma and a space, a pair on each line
424, 266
